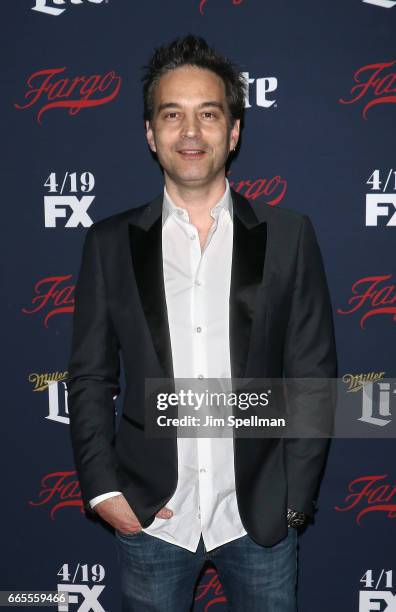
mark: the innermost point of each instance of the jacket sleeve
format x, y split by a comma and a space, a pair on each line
93, 379
310, 353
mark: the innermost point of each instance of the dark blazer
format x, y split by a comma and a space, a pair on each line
280, 325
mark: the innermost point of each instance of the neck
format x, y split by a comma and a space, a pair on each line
198, 200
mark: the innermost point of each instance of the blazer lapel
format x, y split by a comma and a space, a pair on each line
146, 247
249, 243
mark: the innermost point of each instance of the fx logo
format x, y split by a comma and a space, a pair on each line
369, 601
264, 86
383, 3
377, 206
90, 601
42, 7
55, 206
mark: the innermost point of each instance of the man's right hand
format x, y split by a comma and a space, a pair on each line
117, 512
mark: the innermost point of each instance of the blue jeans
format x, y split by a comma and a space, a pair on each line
160, 577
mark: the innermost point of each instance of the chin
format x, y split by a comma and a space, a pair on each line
194, 180
191, 177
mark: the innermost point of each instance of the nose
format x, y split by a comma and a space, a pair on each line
190, 126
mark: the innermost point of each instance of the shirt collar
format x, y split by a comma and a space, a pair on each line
169, 207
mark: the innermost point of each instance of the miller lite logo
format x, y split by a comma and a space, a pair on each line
52, 7
383, 3
264, 86
54, 384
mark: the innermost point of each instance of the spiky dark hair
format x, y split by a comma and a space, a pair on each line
193, 51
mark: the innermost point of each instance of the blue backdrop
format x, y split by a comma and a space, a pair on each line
318, 139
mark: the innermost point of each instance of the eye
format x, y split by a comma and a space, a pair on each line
171, 115
208, 115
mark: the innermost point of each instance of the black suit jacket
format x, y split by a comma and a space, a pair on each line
280, 325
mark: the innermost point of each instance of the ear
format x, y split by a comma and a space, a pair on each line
150, 137
234, 134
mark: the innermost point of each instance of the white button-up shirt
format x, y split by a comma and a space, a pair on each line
197, 288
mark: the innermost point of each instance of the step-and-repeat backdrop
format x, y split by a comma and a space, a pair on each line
319, 138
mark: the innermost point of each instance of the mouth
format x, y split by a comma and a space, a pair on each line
192, 153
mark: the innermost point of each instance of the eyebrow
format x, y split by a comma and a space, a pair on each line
212, 104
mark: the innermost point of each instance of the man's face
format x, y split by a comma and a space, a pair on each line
190, 130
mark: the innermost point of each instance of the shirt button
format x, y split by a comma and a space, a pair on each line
200, 376
202, 470
198, 282
199, 515
192, 237
180, 212
199, 329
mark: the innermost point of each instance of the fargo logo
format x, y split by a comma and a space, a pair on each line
59, 490
270, 191
374, 85
47, 91
369, 494
51, 7
49, 292
202, 4
373, 297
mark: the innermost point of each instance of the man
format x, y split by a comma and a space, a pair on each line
198, 283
